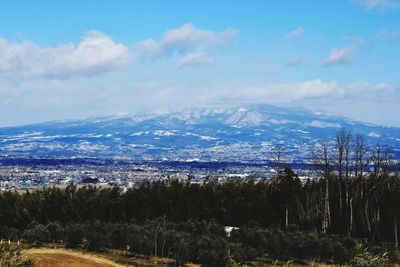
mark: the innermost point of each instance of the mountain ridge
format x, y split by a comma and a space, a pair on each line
234, 133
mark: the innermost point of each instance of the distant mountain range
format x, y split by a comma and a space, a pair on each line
210, 134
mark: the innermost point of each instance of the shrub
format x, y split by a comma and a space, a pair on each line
9, 233
208, 250
366, 259
256, 242
118, 235
56, 231
36, 233
95, 235
139, 240
10, 256
73, 234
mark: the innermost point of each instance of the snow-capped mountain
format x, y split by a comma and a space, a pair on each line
243, 117
240, 133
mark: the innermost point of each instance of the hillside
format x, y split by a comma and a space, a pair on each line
231, 134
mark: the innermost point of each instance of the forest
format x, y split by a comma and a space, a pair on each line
351, 201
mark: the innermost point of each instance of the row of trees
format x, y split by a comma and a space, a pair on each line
204, 242
363, 206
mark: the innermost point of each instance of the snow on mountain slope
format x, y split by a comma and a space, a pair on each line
243, 117
241, 133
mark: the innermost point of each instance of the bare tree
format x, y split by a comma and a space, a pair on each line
359, 154
396, 238
387, 159
342, 146
277, 154
322, 160
347, 154
164, 231
156, 231
377, 159
340, 139
382, 159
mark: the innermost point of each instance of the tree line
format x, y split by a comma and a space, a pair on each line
204, 242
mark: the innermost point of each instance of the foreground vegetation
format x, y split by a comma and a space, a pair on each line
170, 244
200, 242
354, 196
11, 256
98, 219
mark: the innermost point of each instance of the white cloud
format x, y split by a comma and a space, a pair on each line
313, 91
296, 62
295, 33
196, 59
315, 88
287, 92
381, 5
187, 38
339, 56
44, 99
95, 53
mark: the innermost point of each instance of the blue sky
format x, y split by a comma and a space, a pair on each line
77, 59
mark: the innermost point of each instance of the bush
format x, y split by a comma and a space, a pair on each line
209, 251
140, 241
95, 235
10, 256
254, 242
9, 233
366, 259
56, 231
73, 235
118, 235
36, 233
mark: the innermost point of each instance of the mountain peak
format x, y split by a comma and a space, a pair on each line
212, 133
243, 118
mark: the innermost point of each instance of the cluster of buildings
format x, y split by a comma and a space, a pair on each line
27, 176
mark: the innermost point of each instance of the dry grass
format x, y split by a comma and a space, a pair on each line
45, 257
61, 257
292, 264
54, 255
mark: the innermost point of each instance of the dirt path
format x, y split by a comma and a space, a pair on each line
45, 257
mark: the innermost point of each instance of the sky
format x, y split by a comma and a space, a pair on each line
77, 59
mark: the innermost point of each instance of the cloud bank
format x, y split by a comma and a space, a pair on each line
185, 39
94, 54
43, 100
